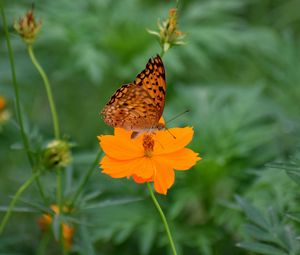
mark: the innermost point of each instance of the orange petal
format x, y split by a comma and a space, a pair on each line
166, 143
116, 168
144, 168
163, 178
139, 180
183, 159
120, 146
162, 120
141, 167
68, 233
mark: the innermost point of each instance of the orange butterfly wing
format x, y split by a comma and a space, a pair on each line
153, 79
139, 105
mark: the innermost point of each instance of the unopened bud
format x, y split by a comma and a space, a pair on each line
57, 154
27, 27
168, 33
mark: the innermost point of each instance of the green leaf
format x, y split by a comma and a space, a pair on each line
294, 216
38, 207
261, 248
111, 202
294, 175
91, 195
253, 214
18, 209
56, 226
86, 245
292, 167
147, 236
258, 233
124, 233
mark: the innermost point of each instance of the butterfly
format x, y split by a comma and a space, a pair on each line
138, 106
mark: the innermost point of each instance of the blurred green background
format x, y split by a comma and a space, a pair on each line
239, 74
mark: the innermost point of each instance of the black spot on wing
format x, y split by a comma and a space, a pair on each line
161, 89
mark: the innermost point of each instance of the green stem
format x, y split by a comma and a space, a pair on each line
163, 217
16, 86
48, 90
64, 249
85, 179
41, 190
59, 189
59, 196
162, 52
17, 102
59, 200
44, 242
15, 199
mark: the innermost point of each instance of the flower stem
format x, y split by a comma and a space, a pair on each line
16, 86
59, 189
59, 196
64, 249
44, 243
85, 179
162, 52
15, 199
48, 90
17, 102
163, 217
59, 201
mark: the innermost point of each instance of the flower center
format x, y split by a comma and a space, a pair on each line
148, 144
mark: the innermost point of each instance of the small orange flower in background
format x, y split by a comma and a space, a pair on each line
67, 231
151, 157
4, 112
2, 103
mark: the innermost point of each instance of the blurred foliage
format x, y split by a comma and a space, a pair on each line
277, 231
238, 75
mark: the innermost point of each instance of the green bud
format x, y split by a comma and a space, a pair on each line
57, 154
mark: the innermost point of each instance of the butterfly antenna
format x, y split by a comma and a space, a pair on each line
175, 117
178, 115
170, 133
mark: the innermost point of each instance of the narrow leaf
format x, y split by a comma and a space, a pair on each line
253, 214
261, 248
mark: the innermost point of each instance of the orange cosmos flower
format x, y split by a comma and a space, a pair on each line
150, 157
67, 231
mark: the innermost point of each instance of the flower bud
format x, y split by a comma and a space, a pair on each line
57, 154
167, 31
27, 27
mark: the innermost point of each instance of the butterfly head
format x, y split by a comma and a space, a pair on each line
160, 126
